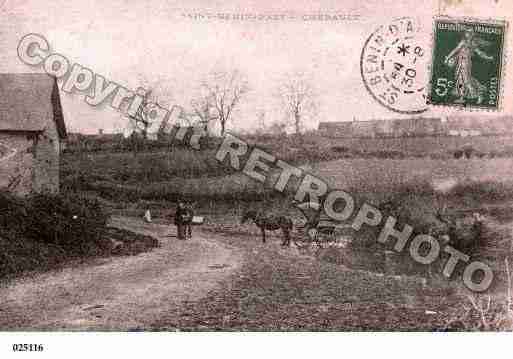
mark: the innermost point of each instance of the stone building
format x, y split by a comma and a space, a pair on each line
336, 129
408, 127
31, 130
480, 126
364, 129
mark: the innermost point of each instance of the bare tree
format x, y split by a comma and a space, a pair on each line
204, 109
137, 128
260, 122
299, 100
151, 91
223, 91
139, 121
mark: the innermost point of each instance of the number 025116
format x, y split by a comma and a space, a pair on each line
27, 347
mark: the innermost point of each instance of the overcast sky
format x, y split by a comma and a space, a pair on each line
151, 43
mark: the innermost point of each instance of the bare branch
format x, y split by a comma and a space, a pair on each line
299, 100
223, 92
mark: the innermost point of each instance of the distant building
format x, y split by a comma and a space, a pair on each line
418, 127
430, 126
31, 130
480, 126
362, 129
336, 129
383, 128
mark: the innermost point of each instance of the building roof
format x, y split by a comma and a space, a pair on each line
28, 102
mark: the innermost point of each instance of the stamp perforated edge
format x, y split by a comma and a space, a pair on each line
504, 61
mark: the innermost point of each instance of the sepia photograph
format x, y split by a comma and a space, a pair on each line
267, 167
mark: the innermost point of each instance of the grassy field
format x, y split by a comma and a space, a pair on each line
125, 167
363, 161
156, 180
170, 163
198, 176
283, 290
379, 175
423, 181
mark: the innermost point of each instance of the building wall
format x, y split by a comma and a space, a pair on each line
336, 129
18, 163
46, 163
363, 129
31, 159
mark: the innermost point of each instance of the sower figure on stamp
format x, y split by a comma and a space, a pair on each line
467, 86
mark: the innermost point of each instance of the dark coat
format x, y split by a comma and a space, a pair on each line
183, 216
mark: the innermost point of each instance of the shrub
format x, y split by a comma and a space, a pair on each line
73, 223
13, 212
392, 154
42, 231
467, 152
340, 149
483, 190
458, 154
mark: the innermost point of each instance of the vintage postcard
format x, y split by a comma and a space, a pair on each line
178, 166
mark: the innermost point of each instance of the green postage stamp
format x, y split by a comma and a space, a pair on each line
467, 63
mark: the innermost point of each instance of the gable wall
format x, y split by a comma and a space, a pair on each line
18, 162
46, 162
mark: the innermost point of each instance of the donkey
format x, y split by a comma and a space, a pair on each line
271, 223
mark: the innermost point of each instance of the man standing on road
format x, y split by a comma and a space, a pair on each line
188, 223
181, 218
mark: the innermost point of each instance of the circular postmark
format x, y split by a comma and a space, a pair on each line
394, 64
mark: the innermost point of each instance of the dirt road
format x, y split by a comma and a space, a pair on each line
282, 289
218, 282
119, 293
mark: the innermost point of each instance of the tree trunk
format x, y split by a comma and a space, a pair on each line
297, 122
223, 124
134, 149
